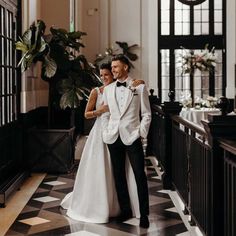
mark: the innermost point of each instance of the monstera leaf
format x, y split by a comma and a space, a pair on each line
34, 48
70, 76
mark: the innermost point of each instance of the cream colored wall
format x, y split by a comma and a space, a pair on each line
133, 21
34, 91
149, 71
89, 22
55, 13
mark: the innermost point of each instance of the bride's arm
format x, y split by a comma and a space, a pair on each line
90, 111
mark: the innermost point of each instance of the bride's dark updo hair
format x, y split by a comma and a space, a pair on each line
106, 66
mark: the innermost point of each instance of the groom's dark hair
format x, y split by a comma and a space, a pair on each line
122, 58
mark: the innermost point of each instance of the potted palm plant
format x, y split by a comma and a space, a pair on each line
70, 79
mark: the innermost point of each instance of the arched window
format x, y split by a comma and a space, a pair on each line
190, 24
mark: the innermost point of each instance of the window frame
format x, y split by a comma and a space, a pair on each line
9, 73
191, 41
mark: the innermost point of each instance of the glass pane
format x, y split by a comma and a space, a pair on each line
165, 16
197, 28
205, 28
186, 28
3, 51
197, 82
218, 28
205, 82
10, 25
218, 4
10, 79
2, 20
218, 93
3, 111
7, 54
197, 7
178, 16
218, 82
165, 57
1, 59
165, 95
178, 29
3, 85
165, 83
186, 82
7, 24
165, 29
218, 16
11, 53
11, 111
205, 15
178, 5
165, 4
186, 16
205, 5
165, 69
165, 62
218, 69
197, 15
219, 56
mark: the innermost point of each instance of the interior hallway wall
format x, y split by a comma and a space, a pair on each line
107, 21
133, 21
34, 91
87, 20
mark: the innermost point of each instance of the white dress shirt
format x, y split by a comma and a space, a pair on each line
121, 95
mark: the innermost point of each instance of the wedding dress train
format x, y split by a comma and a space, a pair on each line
94, 197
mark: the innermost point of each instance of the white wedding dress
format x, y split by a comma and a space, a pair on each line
94, 197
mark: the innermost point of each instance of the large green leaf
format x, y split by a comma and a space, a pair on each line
70, 99
21, 46
67, 71
50, 67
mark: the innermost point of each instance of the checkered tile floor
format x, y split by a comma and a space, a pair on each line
43, 216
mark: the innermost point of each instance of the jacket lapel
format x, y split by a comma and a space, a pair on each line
113, 93
129, 96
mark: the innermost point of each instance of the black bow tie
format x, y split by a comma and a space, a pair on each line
118, 84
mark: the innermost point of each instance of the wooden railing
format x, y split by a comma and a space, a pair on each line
197, 164
229, 150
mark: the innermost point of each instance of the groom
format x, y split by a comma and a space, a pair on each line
126, 123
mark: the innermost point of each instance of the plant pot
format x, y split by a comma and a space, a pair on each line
50, 150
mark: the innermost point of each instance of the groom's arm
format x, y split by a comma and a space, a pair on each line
145, 112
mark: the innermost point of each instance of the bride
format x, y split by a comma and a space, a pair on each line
94, 197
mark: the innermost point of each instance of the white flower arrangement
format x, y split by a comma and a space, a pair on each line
187, 102
209, 102
203, 61
186, 99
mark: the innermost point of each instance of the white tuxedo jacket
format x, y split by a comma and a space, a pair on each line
133, 121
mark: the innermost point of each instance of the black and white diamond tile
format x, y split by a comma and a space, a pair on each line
43, 215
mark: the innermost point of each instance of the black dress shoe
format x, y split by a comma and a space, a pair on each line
144, 222
124, 216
